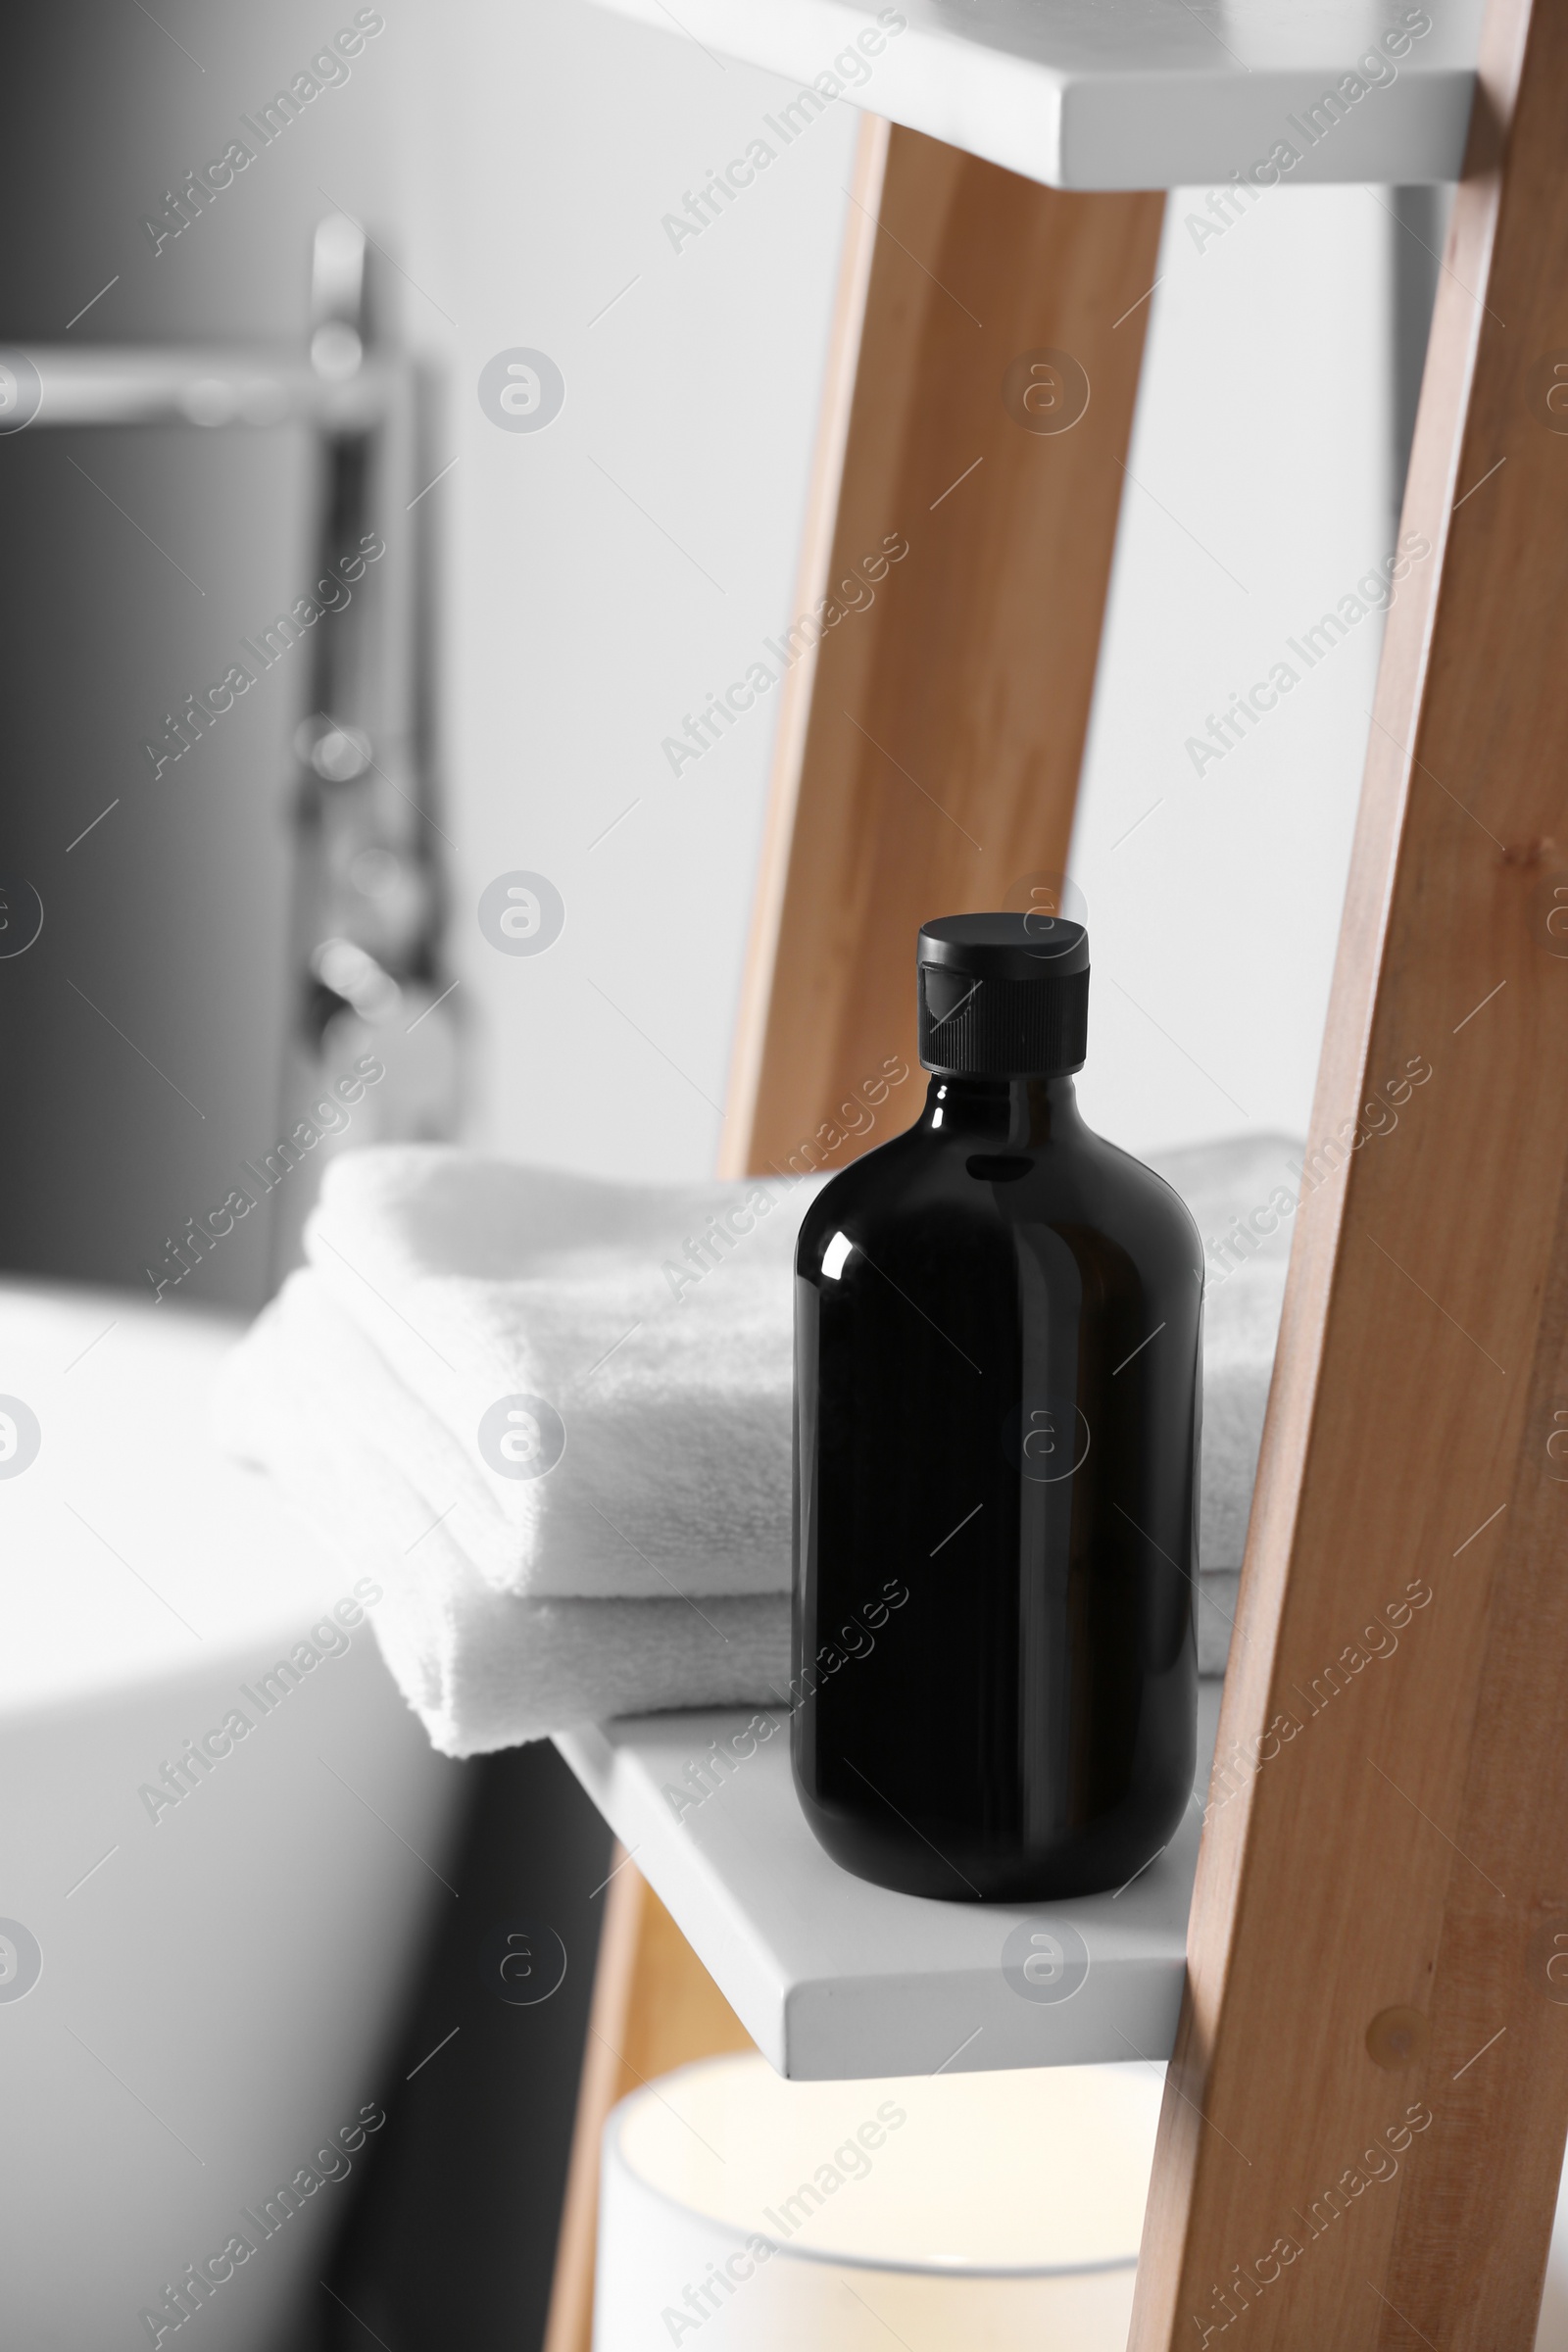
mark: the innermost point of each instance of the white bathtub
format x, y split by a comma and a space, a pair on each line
217, 1970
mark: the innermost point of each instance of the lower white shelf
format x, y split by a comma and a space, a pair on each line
834, 1978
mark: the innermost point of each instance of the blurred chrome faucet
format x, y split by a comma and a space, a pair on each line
366, 894
367, 913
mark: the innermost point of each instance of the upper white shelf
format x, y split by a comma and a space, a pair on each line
1133, 93
834, 1978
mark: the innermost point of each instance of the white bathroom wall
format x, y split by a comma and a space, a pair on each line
604, 571
607, 572
1258, 497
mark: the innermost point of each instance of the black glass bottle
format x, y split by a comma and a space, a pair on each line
998, 1326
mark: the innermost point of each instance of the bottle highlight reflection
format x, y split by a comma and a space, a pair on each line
997, 1324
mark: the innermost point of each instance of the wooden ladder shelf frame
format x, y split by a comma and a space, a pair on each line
1364, 2117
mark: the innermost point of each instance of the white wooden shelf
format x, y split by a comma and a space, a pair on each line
835, 1979
1128, 93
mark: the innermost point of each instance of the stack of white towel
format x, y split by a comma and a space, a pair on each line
552, 1416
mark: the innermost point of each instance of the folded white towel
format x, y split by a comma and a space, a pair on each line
343, 1407
630, 1342
641, 1335
1226, 1185
482, 1669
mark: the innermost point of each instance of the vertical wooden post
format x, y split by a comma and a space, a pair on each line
1364, 2117
979, 403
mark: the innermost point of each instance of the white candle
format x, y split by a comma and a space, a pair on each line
741, 2213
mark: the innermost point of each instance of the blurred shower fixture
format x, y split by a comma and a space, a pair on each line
337, 754
367, 891
351, 977
368, 894
197, 385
